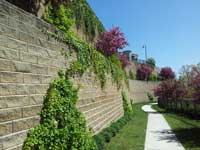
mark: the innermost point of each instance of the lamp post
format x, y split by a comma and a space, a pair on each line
145, 48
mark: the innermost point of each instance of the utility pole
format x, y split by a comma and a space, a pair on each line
145, 48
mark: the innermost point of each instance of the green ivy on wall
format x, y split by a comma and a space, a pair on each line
62, 125
75, 11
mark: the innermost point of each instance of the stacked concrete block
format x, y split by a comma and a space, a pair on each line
29, 61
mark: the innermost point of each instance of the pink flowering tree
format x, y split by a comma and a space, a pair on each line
167, 73
111, 41
194, 84
144, 72
123, 59
169, 92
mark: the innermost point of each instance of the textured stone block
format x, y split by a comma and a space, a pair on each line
3, 19
37, 50
7, 53
13, 140
4, 9
13, 101
44, 61
47, 79
53, 71
6, 65
31, 111
39, 69
10, 114
16, 44
7, 89
24, 89
26, 123
32, 78
5, 30
26, 37
41, 89
22, 67
26, 57
3, 41
52, 54
36, 99
10, 77
5, 128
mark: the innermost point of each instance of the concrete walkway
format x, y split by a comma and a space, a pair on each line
159, 135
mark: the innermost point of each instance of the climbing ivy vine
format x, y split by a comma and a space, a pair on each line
62, 126
88, 56
77, 11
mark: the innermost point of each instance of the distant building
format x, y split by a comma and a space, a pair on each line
131, 56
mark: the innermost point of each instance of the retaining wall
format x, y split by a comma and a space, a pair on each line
29, 61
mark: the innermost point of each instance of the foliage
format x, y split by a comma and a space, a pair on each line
86, 19
167, 73
127, 107
170, 90
132, 135
150, 97
151, 62
105, 135
89, 58
111, 41
83, 16
143, 72
124, 60
131, 75
195, 83
59, 16
190, 77
153, 77
114, 59
62, 125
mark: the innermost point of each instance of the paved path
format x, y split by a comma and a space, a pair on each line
159, 135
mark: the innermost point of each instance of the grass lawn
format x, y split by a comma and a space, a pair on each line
187, 130
132, 135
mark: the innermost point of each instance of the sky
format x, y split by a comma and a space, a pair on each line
169, 28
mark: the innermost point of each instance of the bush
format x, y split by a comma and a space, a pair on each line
106, 134
151, 62
100, 141
62, 125
126, 106
124, 60
153, 77
131, 75
150, 97
111, 41
167, 73
143, 72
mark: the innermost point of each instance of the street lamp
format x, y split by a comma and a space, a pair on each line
145, 48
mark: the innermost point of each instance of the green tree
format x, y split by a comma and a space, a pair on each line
151, 61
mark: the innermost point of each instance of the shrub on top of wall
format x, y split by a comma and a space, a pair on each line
132, 75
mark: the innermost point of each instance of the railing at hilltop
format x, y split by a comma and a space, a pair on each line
140, 61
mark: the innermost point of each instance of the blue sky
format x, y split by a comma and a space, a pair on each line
169, 28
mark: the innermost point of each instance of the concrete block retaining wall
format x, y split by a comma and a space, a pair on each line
29, 61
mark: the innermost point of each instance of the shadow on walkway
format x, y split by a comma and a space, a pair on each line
189, 137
